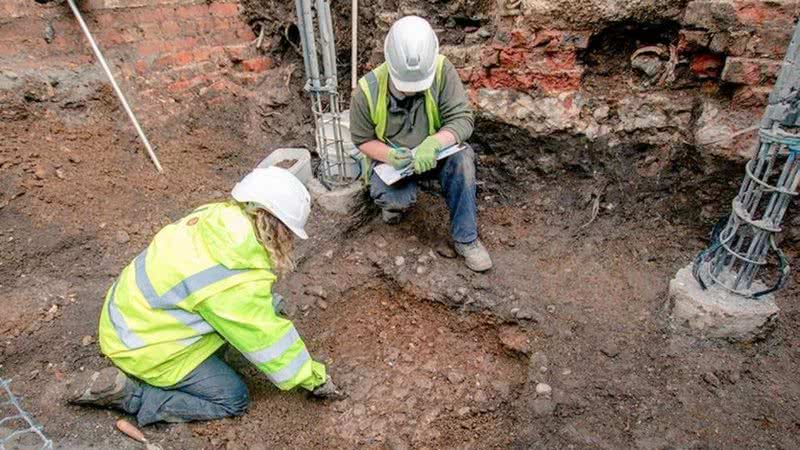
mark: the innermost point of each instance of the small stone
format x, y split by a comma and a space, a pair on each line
542, 407
380, 242
528, 314
480, 397
399, 261
601, 112
514, 312
329, 254
446, 251
122, 237
455, 377
566, 372
322, 304
484, 33
316, 291
49, 33
87, 340
544, 389
462, 291
60, 174
463, 411
421, 270
551, 309
515, 340
610, 349
41, 172
75, 159
537, 362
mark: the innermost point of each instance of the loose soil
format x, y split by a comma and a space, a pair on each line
411, 335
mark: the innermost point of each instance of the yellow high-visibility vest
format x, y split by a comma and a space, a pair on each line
375, 86
152, 324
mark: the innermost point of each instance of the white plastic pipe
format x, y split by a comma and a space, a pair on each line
354, 55
117, 90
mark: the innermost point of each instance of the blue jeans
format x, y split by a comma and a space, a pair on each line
211, 391
456, 174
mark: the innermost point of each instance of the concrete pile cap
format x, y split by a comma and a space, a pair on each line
718, 313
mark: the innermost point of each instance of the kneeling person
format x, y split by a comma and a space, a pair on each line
415, 100
203, 281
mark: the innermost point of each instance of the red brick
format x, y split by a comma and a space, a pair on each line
177, 45
706, 65
224, 9
190, 12
513, 58
750, 71
257, 64
171, 28
151, 15
244, 32
183, 58
149, 48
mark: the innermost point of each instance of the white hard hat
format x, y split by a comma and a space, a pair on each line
280, 193
410, 49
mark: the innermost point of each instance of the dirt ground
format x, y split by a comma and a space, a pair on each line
431, 355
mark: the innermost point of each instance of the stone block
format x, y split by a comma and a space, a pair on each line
344, 201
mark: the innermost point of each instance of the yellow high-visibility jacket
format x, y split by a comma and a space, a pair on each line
203, 280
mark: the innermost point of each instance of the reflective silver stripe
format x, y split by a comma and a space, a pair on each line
125, 334
189, 341
291, 369
196, 282
275, 350
186, 287
191, 320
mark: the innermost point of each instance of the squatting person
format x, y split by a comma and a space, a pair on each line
203, 281
415, 100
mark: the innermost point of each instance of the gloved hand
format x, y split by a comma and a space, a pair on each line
425, 155
328, 391
399, 157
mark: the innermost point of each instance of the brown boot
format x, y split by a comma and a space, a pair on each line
108, 387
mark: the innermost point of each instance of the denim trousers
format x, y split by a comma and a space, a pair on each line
456, 175
211, 391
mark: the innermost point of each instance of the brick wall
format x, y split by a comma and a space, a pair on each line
737, 42
162, 51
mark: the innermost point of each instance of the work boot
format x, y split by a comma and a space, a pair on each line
110, 388
391, 217
328, 391
475, 255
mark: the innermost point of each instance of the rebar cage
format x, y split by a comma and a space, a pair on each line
336, 165
739, 250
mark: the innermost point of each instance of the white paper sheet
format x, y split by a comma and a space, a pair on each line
390, 175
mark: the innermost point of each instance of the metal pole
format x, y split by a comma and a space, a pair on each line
354, 54
117, 90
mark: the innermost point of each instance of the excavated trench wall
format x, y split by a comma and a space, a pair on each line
646, 89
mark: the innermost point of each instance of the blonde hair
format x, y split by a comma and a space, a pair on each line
274, 236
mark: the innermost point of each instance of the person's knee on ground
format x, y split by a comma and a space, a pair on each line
235, 398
